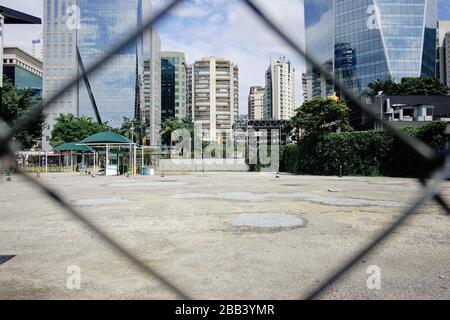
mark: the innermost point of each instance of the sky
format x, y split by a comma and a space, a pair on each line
224, 28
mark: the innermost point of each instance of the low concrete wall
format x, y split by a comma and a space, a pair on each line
200, 165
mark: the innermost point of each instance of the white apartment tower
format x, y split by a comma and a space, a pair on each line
279, 100
447, 58
256, 103
151, 93
215, 96
189, 91
443, 52
38, 47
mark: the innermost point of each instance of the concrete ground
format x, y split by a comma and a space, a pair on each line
197, 231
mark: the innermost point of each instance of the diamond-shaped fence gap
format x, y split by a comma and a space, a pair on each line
285, 35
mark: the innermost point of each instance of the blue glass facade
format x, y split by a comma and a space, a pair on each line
375, 39
168, 66
116, 86
24, 80
319, 43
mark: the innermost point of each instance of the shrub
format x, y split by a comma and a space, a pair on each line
366, 153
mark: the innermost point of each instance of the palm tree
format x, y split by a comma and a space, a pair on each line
170, 125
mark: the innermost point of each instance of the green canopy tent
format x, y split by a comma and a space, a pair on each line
111, 139
74, 147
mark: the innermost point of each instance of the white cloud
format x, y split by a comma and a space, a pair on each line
200, 28
22, 35
241, 37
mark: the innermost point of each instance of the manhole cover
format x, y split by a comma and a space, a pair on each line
4, 259
268, 220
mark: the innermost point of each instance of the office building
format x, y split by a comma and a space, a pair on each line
23, 70
38, 47
215, 96
279, 99
173, 85
256, 103
305, 88
92, 28
443, 52
151, 93
405, 111
361, 42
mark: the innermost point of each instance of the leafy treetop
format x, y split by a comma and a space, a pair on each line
16, 103
409, 87
69, 128
318, 117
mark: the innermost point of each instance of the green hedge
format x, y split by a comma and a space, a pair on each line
365, 153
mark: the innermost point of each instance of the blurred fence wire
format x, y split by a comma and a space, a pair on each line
430, 190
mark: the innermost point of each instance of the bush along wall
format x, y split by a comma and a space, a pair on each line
364, 153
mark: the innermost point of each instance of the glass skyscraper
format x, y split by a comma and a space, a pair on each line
173, 85
103, 24
366, 40
95, 27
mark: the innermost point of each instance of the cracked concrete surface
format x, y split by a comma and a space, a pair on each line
183, 226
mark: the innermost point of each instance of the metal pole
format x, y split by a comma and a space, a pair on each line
134, 160
381, 113
46, 162
107, 159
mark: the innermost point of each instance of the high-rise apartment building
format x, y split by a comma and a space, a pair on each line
256, 103
189, 90
363, 41
38, 47
173, 85
443, 52
306, 86
151, 93
93, 28
447, 58
215, 96
279, 99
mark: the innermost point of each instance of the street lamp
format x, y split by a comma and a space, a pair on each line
381, 95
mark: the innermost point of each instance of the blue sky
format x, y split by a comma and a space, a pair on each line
214, 27
444, 9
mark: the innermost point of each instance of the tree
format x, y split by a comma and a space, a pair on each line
409, 87
134, 131
69, 128
15, 104
318, 117
170, 125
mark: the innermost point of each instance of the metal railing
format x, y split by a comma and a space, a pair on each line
434, 161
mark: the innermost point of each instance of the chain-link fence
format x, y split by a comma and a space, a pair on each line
430, 179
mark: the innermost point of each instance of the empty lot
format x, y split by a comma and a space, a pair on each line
221, 236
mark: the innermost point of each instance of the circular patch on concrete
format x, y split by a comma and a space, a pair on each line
268, 221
